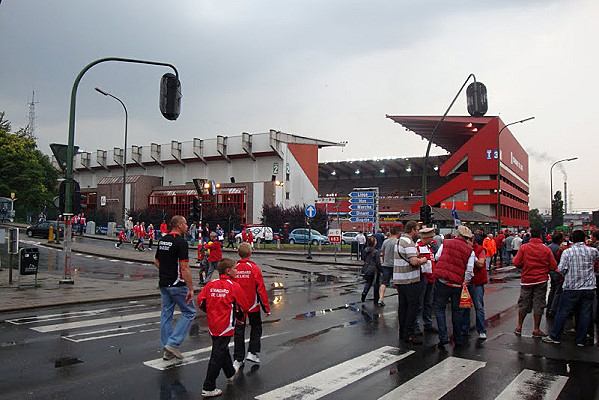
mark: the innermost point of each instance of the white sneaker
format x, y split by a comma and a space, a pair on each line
253, 357
115, 245
482, 335
237, 365
212, 393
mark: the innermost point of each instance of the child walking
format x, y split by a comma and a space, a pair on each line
221, 299
251, 281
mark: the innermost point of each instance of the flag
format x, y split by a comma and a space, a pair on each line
456, 219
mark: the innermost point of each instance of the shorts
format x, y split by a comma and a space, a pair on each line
387, 274
532, 298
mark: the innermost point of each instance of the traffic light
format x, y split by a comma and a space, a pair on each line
476, 95
170, 96
196, 211
76, 196
426, 214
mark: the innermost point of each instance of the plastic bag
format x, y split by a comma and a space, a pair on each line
465, 298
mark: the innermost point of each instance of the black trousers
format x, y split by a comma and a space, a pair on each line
219, 358
255, 334
409, 302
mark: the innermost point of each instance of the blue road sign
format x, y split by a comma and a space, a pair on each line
310, 211
366, 200
361, 219
361, 213
361, 194
363, 207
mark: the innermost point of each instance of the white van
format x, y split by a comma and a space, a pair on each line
262, 232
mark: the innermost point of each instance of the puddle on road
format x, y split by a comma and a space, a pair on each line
66, 361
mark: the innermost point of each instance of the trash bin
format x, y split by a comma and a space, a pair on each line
354, 250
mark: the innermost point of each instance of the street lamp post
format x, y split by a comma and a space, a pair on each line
123, 210
551, 181
499, 169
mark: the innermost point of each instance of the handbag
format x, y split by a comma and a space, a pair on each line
465, 298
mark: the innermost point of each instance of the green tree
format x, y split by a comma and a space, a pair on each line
276, 216
536, 219
26, 171
557, 210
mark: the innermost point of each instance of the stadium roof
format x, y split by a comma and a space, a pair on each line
451, 135
391, 166
444, 214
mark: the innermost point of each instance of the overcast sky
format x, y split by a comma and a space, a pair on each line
328, 69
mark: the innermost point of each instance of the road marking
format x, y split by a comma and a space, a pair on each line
88, 256
190, 356
79, 254
113, 260
436, 381
329, 380
124, 328
128, 262
531, 384
96, 322
68, 315
100, 258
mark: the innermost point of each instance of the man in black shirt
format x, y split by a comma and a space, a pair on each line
176, 287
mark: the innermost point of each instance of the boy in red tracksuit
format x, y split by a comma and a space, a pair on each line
221, 299
216, 254
122, 238
251, 281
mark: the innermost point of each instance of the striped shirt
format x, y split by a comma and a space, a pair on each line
576, 265
403, 272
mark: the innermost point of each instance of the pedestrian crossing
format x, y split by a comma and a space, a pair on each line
433, 382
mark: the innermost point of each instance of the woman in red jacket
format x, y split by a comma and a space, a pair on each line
477, 292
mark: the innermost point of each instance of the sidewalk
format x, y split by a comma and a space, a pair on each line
50, 293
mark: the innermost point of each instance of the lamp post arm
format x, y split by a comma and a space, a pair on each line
68, 206
430, 140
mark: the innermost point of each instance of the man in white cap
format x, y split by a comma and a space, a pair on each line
427, 280
454, 267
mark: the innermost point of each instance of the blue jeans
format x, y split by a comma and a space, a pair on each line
568, 302
426, 304
444, 293
172, 296
508, 257
477, 293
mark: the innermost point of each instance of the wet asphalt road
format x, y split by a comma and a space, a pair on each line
111, 350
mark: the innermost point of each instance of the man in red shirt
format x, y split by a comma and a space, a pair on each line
216, 254
499, 241
221, 300
251, 281
536, 260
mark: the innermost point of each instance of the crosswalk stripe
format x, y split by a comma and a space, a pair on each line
531, 384
190, 356
121, 331
67, 315
329, 380
95, 322
436, 381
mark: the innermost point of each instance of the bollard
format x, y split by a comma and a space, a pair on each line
51, 234
278, 244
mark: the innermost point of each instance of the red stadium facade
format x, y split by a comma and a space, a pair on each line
467, 177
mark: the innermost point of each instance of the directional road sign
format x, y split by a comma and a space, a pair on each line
361, 194
366, 200
310, 211
361, 219
363, 207
361, 213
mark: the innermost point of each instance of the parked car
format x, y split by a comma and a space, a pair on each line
348, 237
262, 232
302, 236
42, 229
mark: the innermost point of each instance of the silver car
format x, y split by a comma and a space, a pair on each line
348, 237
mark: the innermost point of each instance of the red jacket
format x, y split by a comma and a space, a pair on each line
536, 260
480, 273
164, 228
251, 281
451, 266
221, 299
499, 239
216, 252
